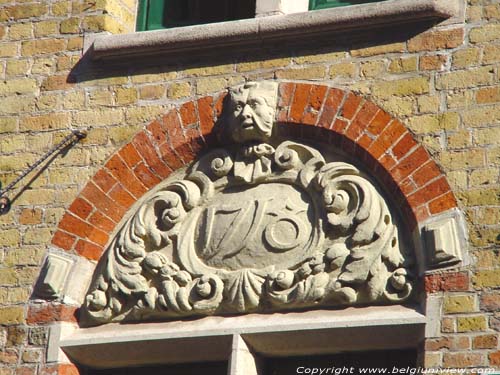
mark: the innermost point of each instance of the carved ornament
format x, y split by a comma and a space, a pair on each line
261, 224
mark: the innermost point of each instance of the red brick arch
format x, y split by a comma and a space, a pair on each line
326, 114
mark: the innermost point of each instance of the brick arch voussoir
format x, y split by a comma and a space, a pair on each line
360, 127
326, 114
165, 145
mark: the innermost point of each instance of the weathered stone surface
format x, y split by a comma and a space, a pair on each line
222, 238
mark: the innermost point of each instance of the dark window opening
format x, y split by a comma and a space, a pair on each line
212, 368
160, 14
348, 363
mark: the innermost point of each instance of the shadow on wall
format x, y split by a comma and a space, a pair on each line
89, 68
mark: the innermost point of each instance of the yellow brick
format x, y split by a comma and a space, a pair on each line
465, 78
10, 238
209, 70
482, 116
484, 238
481, 177
343, 70
462, 159
121, 134
431, 142
153, 76
61, 8
379, 50
141, 115
493, 155
40, 142
45, 122
17, 67
399, 107
70, 26
457, 179
54, 215
99, 117
210, 85
275, 63
125, 95
37, 197
75, 43
487, 278
48, 102
465, 58
248, 66
179, 90
321, 57
486, 33
12, 315
8, 49
26, 275
487, 136
43, 66
313, 72
491, 54
372, 69
428, 103
454, 304
97, 23
492, 12
21, 11
8, 124
401, 87
12, 143
459, 139
488, 95
433, 123
74, 100
151, 92
17, 86
479, 197
459, 99
37, 236
403, 64
17, 105
488, 258
46, 28
21, 31
474, 13
471, 323
432, 360
101, 97
42, 46
96, 136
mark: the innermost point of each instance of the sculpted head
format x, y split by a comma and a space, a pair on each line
249, 116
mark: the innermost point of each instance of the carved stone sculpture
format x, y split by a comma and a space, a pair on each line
260, 225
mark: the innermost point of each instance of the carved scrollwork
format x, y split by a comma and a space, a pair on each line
259, 225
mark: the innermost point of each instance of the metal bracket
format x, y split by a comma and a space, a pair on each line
68, 141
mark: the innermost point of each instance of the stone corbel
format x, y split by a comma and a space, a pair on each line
55, 283
444, 240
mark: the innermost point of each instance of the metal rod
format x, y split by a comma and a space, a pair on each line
75, 133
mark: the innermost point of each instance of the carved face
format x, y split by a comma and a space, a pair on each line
251, 113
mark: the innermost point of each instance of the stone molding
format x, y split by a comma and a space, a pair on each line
272, 29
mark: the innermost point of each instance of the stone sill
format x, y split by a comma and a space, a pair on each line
281, 28
210, 338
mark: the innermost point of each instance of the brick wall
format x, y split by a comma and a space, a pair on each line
442, 84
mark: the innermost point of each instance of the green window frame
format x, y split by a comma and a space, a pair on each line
323, 4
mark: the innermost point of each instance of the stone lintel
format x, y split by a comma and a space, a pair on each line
279, 28
278, 334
